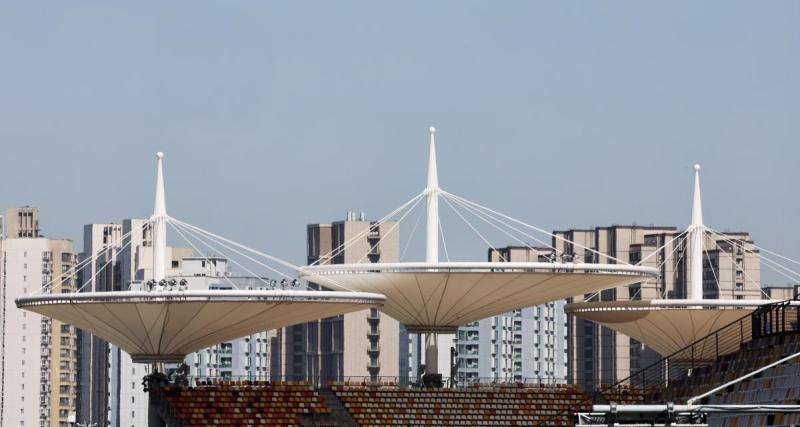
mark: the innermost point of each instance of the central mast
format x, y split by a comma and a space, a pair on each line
159, 224
432, 191
697, 241
432, 244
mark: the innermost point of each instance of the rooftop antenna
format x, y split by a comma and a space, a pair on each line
159, 224
697, 233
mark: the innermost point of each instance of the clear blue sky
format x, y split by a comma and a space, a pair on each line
278, 114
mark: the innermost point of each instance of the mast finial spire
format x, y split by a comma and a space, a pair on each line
697, 203
697, 235
432, 189
433, 174
159, 223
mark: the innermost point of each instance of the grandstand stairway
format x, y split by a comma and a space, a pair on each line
339, 414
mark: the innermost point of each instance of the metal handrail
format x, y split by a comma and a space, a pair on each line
682, 363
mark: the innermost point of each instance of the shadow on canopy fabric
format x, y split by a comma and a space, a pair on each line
166, 326
431, 297
668, 326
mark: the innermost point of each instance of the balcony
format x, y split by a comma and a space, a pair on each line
373, 334
373, 316
374, 234
374, 364
374, 348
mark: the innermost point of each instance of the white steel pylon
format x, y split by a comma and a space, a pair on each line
432, 243
432, 192
159, 224
697, 242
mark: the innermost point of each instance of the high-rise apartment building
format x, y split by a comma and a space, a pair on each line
22, 222
101, 242
529, 343
38, 368
781, 292
598, 355
360, 344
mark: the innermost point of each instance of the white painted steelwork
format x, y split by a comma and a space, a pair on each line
165, 326
668, 326
159, 224
440, 297
697, 241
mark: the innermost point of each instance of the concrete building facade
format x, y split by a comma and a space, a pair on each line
101, 242
38, 370
361, 344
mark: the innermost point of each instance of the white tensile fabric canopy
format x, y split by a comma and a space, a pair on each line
166, 326
668, 326
440, 297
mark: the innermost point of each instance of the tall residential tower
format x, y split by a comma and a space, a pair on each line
39, 364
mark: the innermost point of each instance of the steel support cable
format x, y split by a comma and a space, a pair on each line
411, 236
477, 205
483, 213
769, 261
678, 261
221, 239
81, 265
222, 242
444, 242
778, 268
666, 258
469, 224
483, 216
199, 252
776, 254
711, 264
392, 228
352, 240
113, 257
679, 235
673, 253
214, 249
747, 276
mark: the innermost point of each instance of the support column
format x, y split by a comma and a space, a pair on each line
159, 224
697, 242
431, 354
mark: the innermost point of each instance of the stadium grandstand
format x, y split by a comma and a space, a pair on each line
757, 385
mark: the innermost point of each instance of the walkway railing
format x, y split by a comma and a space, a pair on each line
777, 318
364, 381
767, 320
